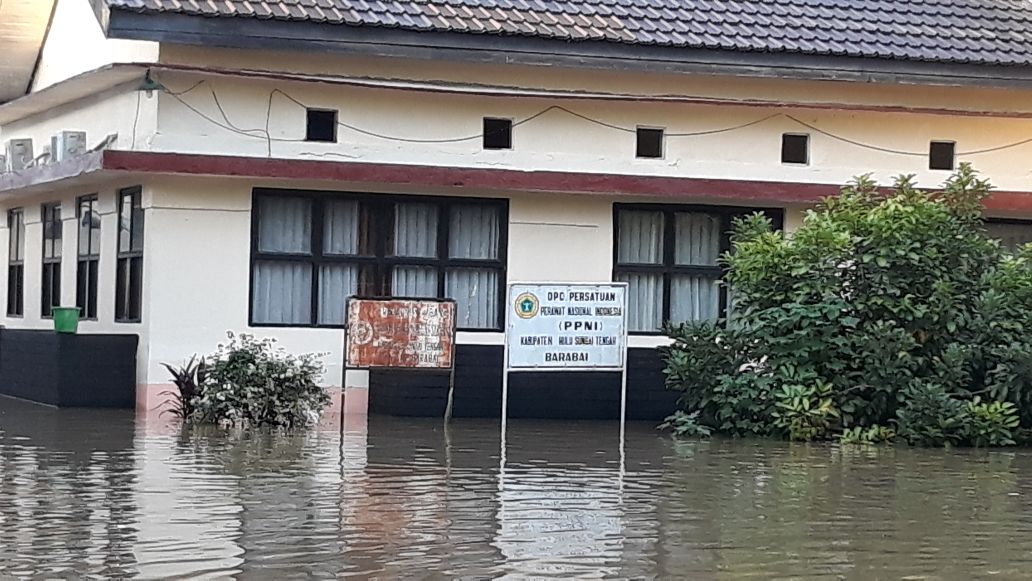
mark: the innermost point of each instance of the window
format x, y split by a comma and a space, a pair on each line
795, 148
310, 251
16, 263
668, 256
1012, 234
321, 125
129, 273
941, 155
88, 256
497, 133
650, 143
50, 294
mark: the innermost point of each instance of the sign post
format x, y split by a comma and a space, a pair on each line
566, 327
416, 334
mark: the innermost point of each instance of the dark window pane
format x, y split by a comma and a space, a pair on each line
795, 148
52, 231
137, 234
497, 133
650, 143
941, 155
1012, 235
125, 223
86, 287
15, 290
321, 125
51, 291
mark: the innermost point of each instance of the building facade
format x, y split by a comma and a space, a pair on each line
248, 169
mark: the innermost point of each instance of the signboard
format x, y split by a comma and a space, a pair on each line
567, 327
400, 333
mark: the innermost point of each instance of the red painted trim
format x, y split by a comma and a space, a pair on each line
471, 178
482, 179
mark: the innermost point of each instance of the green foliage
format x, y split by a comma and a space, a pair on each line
805, 412
684, 425
250, 382
870, 435
992, 424
930, 417
882, 309
187, 380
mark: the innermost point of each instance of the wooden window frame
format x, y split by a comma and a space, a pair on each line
668, 268
381, 263
129, 262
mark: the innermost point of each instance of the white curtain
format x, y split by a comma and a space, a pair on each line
476, 297
415, 230
640, 237
340, 227
282, 292
473, 232
1011, 236
336, 283
697, 239
414, 281
285, 225
645, 297
694, 298
640, 241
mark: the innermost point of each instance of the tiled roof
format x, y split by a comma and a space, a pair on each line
947, 31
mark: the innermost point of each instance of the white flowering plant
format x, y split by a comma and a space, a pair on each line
250, 381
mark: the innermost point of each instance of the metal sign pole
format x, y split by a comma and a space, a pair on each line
505, 385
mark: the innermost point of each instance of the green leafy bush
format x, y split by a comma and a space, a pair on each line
251, 382
683, 425
882, 309
870, 435
991, 424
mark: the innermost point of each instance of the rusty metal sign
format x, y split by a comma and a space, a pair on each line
400, 333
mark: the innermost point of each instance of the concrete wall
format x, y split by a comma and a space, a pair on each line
121, 111
197, 265
106, 197
76, 44
562, 142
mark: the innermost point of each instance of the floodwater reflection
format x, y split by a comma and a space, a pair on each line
92, 493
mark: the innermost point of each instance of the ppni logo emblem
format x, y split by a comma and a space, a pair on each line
527, 306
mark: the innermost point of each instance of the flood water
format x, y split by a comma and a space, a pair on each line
94, 493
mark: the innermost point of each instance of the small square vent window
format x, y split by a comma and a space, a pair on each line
321, 125
650, 143
795, 148
497, 133
941, 155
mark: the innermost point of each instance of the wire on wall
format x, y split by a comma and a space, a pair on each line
266, 135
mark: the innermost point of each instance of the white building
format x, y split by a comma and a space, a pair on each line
252, 163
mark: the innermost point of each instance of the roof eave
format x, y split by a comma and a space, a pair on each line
249, 33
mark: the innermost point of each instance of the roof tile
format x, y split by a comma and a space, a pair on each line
973, 31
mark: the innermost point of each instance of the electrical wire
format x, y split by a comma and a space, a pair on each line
136, 120
853, 142
265, 133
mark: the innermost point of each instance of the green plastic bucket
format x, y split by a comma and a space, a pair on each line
66, 319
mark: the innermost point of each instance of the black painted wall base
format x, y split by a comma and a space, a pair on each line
68, 370
478, 390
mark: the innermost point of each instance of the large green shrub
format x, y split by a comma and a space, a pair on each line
251, 382
882, 309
